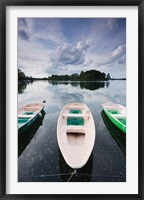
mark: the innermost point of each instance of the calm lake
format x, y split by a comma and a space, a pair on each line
40, 159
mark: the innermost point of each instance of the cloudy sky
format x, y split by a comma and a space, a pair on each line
49, 46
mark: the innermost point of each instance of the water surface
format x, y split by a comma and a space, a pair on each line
40, 159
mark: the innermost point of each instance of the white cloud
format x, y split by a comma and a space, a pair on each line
114, 56
71, 55
52, 46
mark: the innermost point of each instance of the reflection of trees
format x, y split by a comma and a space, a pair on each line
59, 82
21, 88
25, 138
75, 84
107, 83
92, 85
117, 134
83, 84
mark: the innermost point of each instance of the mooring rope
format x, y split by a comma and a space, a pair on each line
75, 172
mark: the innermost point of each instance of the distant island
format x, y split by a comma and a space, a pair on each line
91, 75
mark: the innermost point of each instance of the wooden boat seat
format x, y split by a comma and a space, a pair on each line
86, 116
76, 107
32, 108
118, 115
75, 129
25, 116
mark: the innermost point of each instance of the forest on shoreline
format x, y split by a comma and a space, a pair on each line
91, 75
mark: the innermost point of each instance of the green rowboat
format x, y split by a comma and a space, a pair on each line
27, 115
117, 114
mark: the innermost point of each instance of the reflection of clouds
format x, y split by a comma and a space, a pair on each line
116, 92
41, 156
63, 98
59, 95
70, 97
35, 92
63, 94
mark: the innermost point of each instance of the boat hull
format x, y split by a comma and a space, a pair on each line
113, 117
27, 125
26, 120
76, 134
120, 126
115, 132
24, 139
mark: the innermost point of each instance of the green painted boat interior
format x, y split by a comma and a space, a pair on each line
75, 112
122, 120
22, 121
76, 121
113, 111
28, 113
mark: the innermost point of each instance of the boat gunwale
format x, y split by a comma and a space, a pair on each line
116, 118
32, 116
113, 116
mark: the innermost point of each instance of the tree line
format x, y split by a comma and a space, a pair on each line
91, 75
22, 76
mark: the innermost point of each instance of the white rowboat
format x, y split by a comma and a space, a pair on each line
76, 134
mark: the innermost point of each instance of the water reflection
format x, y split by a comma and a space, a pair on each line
83, 85
21, 88
25, 138
59, 82
23, 85
107, 83
82, 175
41, 161
75, 84
92, 85
117, 134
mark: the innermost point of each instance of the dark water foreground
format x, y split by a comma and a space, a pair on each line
39, 157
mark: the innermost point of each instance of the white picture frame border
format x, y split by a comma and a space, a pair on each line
131, 184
